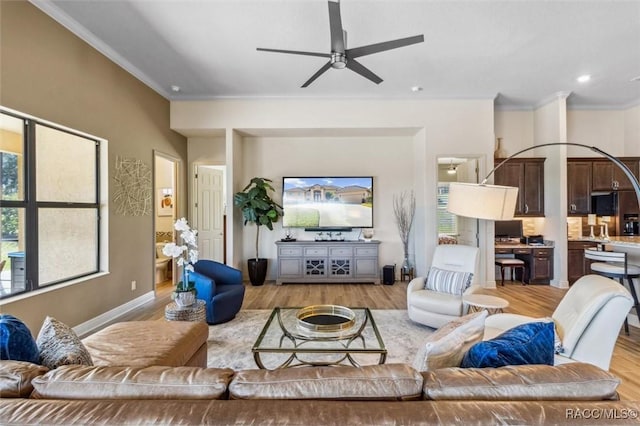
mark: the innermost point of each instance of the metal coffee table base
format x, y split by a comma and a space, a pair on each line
281, 336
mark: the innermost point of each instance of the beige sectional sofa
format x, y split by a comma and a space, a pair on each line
113, 394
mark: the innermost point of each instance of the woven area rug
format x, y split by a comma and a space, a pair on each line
229, 344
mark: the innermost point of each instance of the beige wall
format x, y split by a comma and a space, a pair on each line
428, 129
380, 157
632, 131
516, 130
49, 73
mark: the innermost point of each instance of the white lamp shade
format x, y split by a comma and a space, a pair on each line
490, 202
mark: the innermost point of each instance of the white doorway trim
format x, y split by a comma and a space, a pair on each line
156, 206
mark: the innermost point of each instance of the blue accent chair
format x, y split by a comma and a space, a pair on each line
221, 287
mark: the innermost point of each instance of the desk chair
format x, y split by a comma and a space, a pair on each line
512, 264
613, 264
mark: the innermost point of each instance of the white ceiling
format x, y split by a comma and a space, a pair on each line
520, 52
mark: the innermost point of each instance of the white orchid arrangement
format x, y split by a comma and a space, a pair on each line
187, 253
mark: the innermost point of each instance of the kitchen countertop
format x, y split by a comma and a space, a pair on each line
504, 245
629, 241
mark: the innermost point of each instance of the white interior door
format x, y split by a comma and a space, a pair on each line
210, 213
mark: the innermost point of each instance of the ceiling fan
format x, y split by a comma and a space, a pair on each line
340, 56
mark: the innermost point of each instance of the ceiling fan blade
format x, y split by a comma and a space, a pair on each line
381, 47
335, 23
295, 52
324, 68
357, 67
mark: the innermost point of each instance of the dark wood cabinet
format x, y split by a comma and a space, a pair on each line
577, 265
606, 176
527, 174
578, 187
541, 265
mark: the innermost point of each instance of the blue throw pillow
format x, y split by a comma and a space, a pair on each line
531, 343
16, 341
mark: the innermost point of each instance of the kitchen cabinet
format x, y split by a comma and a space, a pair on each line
606, 176
327, 261
577, 265
527, 174
578, 187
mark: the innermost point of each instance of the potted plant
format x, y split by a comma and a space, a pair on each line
187, 255
259, 208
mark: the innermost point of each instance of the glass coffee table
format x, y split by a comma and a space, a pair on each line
284, 343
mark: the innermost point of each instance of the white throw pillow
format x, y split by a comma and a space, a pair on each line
444, 281
448, 345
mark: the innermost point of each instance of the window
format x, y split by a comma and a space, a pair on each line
447, 222
49, 204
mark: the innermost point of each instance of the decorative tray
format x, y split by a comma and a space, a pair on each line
325, 318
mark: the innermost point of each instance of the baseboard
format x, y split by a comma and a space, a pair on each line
88, 327
490, 284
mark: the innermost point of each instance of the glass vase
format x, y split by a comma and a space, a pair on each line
406, 264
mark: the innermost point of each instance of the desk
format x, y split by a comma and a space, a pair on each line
539, 260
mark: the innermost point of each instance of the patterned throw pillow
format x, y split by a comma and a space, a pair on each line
448, 344
444, 281
60, 345
16, 341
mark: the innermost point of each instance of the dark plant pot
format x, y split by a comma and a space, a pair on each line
257, 270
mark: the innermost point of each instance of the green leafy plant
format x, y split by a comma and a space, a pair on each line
257, 206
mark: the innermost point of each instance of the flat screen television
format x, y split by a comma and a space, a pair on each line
508, 229
327, 203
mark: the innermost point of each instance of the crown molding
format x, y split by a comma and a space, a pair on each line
92, 40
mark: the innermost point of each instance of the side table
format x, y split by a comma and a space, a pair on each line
406, 273
196, 312
478, 302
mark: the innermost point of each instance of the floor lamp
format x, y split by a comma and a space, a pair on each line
496, 202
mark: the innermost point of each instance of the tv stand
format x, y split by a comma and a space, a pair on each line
328, 262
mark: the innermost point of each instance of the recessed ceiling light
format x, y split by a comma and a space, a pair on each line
416, 89
175, 88
583, 78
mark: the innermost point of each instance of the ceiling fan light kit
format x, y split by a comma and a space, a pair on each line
341, 57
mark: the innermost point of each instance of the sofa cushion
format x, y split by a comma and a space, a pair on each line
530, 343
16, 377
371, 382
16, 341
146, 343
444, 281
60, 345
447, 346
573, 381
156, 382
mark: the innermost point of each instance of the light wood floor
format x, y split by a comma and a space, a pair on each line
532, 300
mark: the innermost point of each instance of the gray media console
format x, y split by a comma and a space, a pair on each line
328, 261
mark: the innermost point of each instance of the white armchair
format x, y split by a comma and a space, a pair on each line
587, 320
433, 308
